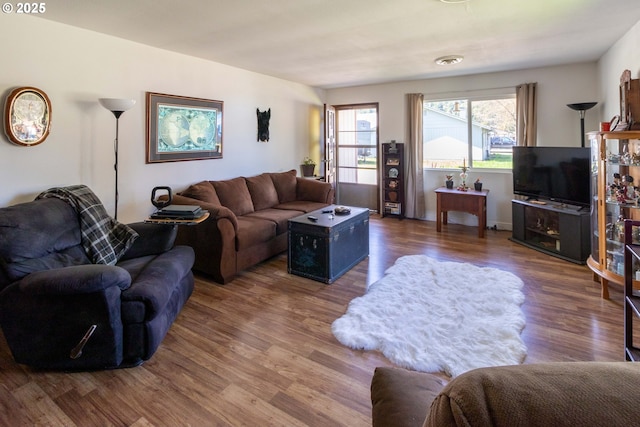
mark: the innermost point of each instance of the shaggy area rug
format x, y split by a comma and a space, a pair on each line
435, 316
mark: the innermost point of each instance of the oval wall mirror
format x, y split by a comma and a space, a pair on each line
27, 117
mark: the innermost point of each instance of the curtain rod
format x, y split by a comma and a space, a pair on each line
477, 92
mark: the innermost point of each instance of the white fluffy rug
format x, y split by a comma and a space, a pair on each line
435, 316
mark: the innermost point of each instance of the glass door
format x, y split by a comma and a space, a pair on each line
357, 155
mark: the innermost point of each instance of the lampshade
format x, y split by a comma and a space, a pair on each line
582, 106
116, 105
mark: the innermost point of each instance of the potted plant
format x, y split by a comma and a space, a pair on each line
449, 181
307, 167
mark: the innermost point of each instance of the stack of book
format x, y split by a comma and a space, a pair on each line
179, 212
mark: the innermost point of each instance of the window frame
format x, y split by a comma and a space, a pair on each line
376, 145
470, 98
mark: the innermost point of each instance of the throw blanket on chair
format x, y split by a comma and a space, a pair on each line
104, 239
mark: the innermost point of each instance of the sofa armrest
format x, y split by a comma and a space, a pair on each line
153, 239
214, 243
314, 191
216, 212
79, 279
545, 394
401, 398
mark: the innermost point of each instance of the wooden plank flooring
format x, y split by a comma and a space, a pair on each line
259, 351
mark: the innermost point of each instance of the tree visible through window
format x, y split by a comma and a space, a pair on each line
478, 132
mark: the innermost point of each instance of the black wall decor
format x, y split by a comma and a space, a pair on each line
263, 124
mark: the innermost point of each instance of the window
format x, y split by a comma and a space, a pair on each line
357, 141
480, 132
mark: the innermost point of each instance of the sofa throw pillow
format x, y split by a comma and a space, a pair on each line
234, 194
263, 192
202, 191
285, 183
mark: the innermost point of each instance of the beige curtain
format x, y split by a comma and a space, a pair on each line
526, 115
415, 206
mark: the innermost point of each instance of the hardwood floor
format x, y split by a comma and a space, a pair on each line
259, 351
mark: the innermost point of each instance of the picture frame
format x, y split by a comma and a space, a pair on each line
613, 124
181, 128
27, 118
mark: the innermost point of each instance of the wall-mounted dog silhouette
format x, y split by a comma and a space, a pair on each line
263, 124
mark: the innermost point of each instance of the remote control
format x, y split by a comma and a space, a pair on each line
312, 218
327, 211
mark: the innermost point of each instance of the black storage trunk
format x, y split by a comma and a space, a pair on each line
326, 249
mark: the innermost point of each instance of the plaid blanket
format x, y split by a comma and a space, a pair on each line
104, 239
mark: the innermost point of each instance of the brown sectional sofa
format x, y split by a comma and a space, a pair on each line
546, 394
248, 219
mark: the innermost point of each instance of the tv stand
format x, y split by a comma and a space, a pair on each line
552, 228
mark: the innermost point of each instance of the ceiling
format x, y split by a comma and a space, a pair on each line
337, 43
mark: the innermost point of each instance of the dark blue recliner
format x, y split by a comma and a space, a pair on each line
59, 310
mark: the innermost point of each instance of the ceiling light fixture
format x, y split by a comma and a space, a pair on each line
455, 1
449, 59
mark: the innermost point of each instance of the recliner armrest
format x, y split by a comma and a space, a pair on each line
45, 315
153, 239
79, 279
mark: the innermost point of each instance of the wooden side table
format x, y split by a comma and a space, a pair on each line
470, 201
177, 221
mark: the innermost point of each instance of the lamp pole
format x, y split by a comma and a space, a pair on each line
117, 107
582, 107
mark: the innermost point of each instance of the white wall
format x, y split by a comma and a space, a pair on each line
557, 124
75, 67
624, 55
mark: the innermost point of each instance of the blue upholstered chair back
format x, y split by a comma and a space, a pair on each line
38, 235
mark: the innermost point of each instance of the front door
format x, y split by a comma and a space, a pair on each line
329, 157
357, 155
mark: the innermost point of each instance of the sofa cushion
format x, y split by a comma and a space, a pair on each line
263, 192
301, 205
401, 398
234, 194
285, 183
202, 191
280, 217
253, 231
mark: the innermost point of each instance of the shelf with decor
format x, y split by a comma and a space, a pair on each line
631, 295
615, 180
393, 181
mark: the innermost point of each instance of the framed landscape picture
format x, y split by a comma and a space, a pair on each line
183, 128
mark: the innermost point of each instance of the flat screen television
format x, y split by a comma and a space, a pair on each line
560, 174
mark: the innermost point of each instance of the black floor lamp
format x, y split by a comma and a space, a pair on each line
117, 107
582, 107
